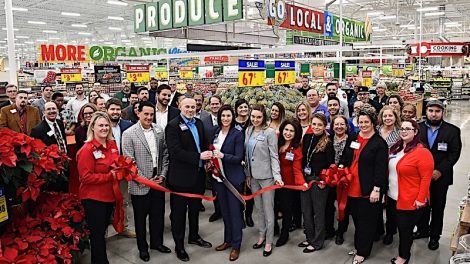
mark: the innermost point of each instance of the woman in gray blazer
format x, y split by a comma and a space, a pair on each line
262, 171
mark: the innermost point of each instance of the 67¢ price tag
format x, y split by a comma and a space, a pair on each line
284, 77
250, 78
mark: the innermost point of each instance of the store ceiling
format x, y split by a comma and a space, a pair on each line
111, 24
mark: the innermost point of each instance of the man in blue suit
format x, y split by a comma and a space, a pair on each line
119, 125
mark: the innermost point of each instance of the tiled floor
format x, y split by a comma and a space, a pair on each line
124, 250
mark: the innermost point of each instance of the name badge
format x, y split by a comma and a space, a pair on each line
290, 156
355, 145
50, 133
124, 100
13, 111
442, 146
98, 154
260, 138
183, 127
307, 170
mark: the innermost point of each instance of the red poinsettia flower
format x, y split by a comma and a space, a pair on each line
11, 256
7, 156
33, 188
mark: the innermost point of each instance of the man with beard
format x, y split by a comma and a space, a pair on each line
364, 96
123, 95
153, 91
200, 113
118, 125
20, 117
174, 94
333, 110
444, 142
314, 101
332, 91
11, 90
143, 94
163, 112
75, 104
189, 90
45, 97
305, 86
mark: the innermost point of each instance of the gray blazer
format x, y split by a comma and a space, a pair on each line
135, 146
265, 160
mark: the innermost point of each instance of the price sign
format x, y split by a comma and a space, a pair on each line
250, 78
3, 206
398, 72
70, 75
284, 77
186, 74
138, 77
159, 75
367, 82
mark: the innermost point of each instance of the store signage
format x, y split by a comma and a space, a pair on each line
107, 74
230, 72
215, 59
352, 29
169, 14
305, 69
186, 73
138, 73
298, 18
68, 75
316, 41
284, 72
205, 72
367, 78
251, 73
387, 70
161, 73
3, 206
439, 49
351, 70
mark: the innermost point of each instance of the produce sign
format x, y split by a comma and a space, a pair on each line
295, 17
284, 72
351, 70
161, 73
230, 72
168, 14
206, 72
138, 73
367, 78
108, 74
71, 75
251, 73
352, 29
186, 73
432, 49
398, 70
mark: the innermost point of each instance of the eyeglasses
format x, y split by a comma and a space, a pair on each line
406, 129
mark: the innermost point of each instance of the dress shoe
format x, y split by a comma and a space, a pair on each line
339, 240
202, 208
267, 253
144, 255
200, 242
394, 261
214, 217
303, 244
182, 255
128, 233
419, 235
162, 249
433, 244
257, 246
282, 240
310, 249
223, 246
249, 221
234, 254
388, 239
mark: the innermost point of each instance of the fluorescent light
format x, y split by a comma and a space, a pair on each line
453, 25
41, 40
70, 14
435, 14
36, 22
22, 37
29, 42
54, 38
108, 43
14, 29
116, 2
21, 9
1, 41
84, 33
50, 31
380, 30
425, 9
375, 13
125, 41
79, 25
115, 28
387, 17
146, 38
115, 18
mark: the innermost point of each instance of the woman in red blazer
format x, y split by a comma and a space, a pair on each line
94, 161
290, 158
410, 171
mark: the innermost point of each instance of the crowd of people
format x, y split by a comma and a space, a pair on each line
398, 166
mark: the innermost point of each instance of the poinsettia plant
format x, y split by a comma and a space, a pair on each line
53, 232
27, 165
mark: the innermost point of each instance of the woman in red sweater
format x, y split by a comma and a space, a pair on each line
410, 171
290, 158
94, 161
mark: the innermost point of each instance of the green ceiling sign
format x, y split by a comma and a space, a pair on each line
168, 14
352, 30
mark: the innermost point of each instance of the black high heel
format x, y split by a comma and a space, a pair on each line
258, 246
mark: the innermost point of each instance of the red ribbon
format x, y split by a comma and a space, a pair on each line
341, 178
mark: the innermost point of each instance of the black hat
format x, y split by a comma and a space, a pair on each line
437, 103
363, 89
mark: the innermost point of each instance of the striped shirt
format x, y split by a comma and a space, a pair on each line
392, 138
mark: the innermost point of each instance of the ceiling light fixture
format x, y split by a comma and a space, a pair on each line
29, 42
70, 14
453, 25
426, 9
41, 40
108, 43
36, 22
21, 9
375, 13
54, 38
79, 25
50, 31
387, 17
115, 18
84, 33
435, 14
15, 29
22, 37
380, 30
115, 28
116, 2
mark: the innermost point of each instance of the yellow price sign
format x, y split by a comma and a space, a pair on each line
186, 74
3, 207
137, 77
250, 78
398, 72
367, 82
161, 75
284, 77
71, 77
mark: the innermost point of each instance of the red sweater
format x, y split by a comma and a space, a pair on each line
96, 180
414, 172
291, 171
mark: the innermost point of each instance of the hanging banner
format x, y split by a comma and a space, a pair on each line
107, 74
68, 75
284, 72
305, 69
439, 49
251, 73
138, 73
297, 18
353, 30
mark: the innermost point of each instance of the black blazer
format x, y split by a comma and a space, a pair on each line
319, 161
5, 103
173, 112
183, 174
444, 161
41, 130
209, 128
233, 150
175, 99
383, 101
373, 164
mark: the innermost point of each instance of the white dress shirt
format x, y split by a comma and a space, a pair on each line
393, 174
161, 117
151, 141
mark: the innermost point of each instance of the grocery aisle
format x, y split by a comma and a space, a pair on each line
123, 250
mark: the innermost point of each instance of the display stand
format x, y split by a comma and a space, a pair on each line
462, 228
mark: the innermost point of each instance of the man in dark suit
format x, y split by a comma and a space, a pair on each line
444, 142
210, 126
164, 113
11, 91
364, 95
188, 149
174, 94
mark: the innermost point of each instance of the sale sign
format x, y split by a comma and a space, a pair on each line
138, 73
68, 75
284, 72
251, 73
186, 73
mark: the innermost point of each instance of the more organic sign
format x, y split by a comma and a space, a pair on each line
168, 14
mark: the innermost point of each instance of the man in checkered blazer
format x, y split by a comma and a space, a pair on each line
145, 143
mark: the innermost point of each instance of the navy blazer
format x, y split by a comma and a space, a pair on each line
233, 151
124, 124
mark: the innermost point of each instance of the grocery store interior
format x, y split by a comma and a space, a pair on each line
255, 50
